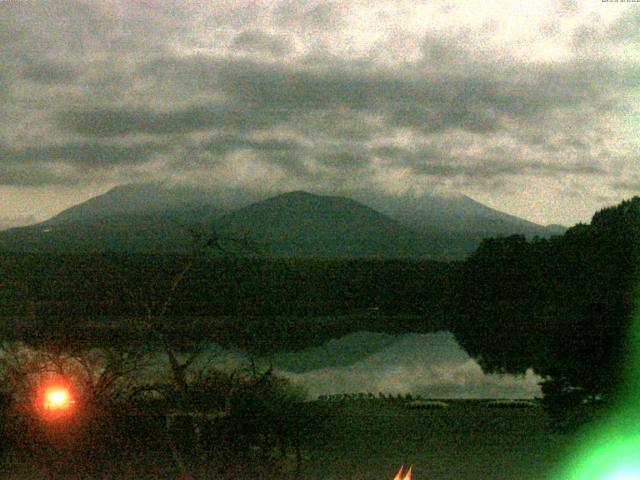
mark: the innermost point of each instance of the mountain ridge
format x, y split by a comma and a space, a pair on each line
157, 217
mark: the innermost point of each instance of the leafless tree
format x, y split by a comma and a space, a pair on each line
155, 320
155, 309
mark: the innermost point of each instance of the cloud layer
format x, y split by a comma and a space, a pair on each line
534, 105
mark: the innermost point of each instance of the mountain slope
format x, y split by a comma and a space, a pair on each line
135, 200
157, 218
161, 232
300, 224
148, 217
456, 214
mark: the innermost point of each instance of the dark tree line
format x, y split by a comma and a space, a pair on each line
100, 284
285, 304
199, 421
561, 306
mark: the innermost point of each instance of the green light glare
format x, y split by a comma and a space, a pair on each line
612, 455
610, 450
624, 473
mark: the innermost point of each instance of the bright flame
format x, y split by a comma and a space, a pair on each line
407, 475
57, 398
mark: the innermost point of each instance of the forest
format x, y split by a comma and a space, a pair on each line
563, 306
306, 301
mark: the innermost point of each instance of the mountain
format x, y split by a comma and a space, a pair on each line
300, 224
555, 229
161, 232
456, 214
149, 217
157, 218
135, 200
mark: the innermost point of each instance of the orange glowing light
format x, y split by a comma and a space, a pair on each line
57, 398
407, 476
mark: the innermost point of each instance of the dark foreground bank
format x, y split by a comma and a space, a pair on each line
363, 440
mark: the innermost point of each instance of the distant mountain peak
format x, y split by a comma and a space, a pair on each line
298, 193
304, 199
155, 216
135, 199
304, 195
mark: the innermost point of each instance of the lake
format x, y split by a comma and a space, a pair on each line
432, 365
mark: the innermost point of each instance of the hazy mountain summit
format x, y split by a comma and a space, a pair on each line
457, 214
301, 224
309, 211
135, 199
298, 224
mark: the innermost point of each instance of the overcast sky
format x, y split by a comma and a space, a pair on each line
529, 107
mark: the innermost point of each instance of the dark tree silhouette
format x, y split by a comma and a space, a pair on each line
562, 307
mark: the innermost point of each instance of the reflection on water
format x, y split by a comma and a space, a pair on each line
432, 365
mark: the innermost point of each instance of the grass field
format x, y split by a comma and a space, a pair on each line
466, 441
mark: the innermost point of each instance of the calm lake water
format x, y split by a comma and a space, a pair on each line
432, 365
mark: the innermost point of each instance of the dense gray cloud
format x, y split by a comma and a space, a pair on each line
416, 97
491, 169
118, 122
310, 15
631, 185
258, 41
29, 174
86, 154
66, 163
309, 92
259, 96
496, 163
228, 143
49, 72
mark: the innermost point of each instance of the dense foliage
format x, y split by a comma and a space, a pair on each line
284, 304
561, 306
252, 421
